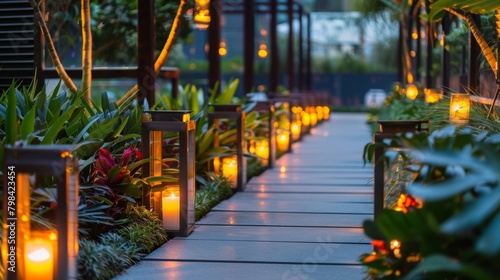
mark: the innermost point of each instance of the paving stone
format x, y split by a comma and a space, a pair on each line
306, 188
257, 251
294, 197
284, 219
279, 234
186, 270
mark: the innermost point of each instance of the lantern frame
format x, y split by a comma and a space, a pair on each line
19, 164
233, 112
177, 121
267, 107
388, 129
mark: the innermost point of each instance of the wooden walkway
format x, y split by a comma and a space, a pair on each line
304, 223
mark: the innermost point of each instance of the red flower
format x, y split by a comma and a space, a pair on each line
381, 246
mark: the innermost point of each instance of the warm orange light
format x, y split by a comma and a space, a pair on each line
414, 35
411, 91
306, 118
432, 96
326, 112
262, 150
283, 169
263, 32
230, 169
296, 128
222, 49
314, 118
459, 108
39, 258
171, 211
201, 14
262, 53
283, 141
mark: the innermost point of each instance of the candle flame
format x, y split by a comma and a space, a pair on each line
39, 255
172, 195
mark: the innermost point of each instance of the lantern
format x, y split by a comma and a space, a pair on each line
459, 108
283, 141
201, 14
234, 114
411, 91
172, 200
31, 251
295, 130
262, 150
266, 108
432, 96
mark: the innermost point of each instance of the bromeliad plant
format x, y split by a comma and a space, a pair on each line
453, 234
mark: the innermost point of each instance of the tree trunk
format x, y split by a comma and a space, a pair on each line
86, 49
52, 49
164, 52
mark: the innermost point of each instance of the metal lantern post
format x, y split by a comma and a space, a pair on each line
233, 169
267, 108
173, 201
31, 251
387, 130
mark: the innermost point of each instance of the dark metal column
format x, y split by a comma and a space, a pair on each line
428, 65
399, 56
248, 45
474, 54
418, 49
308, 54
300, 80
290, 53
214, 38
146, 52
273, 36
445, 75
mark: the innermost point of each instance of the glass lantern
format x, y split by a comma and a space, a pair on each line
31, 250
173, 199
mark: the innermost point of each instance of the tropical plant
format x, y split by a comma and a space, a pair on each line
453, 233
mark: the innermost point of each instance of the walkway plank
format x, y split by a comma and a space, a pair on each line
300, 220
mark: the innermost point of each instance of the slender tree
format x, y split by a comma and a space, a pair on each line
52, 49
164, 52
86, 49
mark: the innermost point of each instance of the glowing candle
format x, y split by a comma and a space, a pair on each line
262, 150
411, 91
230, 169
459, 108
296, 130
171, 212
306, 118
39, 258
314, 118
326, 112
283, 141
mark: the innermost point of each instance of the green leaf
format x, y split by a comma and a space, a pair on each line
82, 133
445, 189
11, 120
119, 130
128, 189
475, 214
372, 231
489, 242
28, 123
57, 126
440, 263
